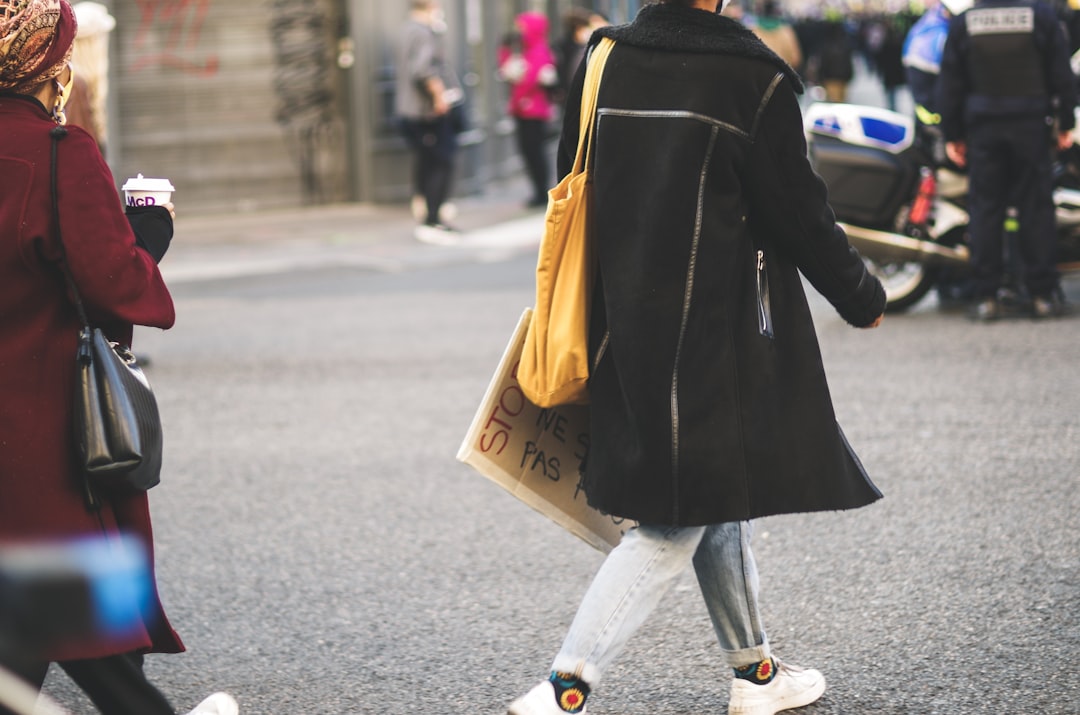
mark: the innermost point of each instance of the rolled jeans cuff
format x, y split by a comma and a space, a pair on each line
747, 656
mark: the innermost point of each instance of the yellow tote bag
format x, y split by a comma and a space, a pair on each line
554, 368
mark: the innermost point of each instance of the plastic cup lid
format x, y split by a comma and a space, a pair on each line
141, 183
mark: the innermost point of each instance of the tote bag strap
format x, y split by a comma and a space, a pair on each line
593, 72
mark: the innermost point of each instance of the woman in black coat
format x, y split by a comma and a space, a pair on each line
709, 405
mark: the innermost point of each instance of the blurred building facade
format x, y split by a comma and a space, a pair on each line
248, 104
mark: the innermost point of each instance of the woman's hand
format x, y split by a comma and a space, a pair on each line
171, 208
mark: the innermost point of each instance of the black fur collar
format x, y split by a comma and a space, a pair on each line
682, 29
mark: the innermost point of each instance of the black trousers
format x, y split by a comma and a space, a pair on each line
532, 143
434, 144
115, 684
1010, 163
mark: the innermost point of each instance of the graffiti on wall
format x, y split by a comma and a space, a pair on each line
303, 83
169, 35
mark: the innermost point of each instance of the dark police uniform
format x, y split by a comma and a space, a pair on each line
1005, 75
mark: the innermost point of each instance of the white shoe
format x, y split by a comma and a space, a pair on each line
437, 235
792, 687
538, 701
217, 704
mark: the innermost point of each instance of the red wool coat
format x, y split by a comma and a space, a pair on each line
40, 497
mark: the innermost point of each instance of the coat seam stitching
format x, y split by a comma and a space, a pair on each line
675, 114
765, 99
687, 302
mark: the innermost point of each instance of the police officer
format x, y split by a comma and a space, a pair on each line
923, 47
1005, 78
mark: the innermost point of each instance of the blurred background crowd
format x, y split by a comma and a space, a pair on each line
248, 104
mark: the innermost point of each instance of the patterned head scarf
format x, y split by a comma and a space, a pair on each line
35, 42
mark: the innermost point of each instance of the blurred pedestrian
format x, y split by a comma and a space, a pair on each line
869, 36
735, 10
777, 33
527, 63
811, 33
427, 102
921, 57
890, 62
834, 63
708, 400
578, 26
570, 49
43, 493
87, 107
1007, 96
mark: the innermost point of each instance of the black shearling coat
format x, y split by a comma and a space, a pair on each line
708, 399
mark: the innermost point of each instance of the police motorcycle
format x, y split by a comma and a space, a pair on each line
904, 210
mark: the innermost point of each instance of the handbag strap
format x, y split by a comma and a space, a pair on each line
56, 134
594, 70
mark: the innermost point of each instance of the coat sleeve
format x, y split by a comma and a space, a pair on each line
119, 282
420, 58
952, 86
789, 204
1060, 80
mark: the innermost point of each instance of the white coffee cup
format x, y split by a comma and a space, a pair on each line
141, 191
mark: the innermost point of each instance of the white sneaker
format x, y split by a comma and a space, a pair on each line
217, 704
437, 235
792, 687
538, 701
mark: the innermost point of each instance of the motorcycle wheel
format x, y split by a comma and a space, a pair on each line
905, 283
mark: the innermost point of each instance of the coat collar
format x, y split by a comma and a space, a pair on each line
681, 29
24, 101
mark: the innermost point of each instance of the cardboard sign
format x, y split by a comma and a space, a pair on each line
536, 454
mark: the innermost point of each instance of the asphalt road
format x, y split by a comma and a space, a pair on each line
321, 551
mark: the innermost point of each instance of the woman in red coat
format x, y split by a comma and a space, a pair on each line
41, 489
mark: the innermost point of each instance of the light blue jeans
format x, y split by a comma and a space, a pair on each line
637, 574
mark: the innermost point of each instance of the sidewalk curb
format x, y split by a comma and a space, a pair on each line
361, 237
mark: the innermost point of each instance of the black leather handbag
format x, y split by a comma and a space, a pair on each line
117, 426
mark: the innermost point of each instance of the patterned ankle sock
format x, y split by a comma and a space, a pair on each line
570, 691
760, 673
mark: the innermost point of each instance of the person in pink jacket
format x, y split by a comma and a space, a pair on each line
527, 62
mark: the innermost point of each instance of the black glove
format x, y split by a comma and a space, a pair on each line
153, 228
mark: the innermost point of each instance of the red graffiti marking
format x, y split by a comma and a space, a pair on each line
181, 23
